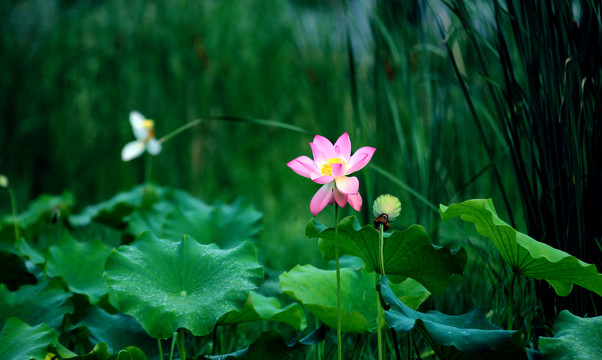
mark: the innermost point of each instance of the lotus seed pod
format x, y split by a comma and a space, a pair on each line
387, 204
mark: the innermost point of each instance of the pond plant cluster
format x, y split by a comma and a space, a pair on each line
154, 273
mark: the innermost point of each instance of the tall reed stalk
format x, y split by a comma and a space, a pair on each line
542, 64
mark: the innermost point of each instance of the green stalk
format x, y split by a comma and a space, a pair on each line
174, 339
214, 347
160, 348
13, 205
180, 129
262, 122
381, 243
182, 349
511, 301
379, 333
338, 266
318, 347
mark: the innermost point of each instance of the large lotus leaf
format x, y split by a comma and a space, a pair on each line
47, 302
227, 225
271, 346
152, 218
166, 285
80, 264
524, 254
470, 332
316, 290
575, 338
19, 341
143, 209
117, 330
407, 253
222, 224
13, 272
259, 307
114, 211
37, 216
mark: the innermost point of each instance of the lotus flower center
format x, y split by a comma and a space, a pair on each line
149, 125
327, 168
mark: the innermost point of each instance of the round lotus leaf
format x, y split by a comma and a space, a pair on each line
167, 285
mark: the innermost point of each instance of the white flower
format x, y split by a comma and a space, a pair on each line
144, 131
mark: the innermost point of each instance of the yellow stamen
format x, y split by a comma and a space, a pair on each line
150, 126
327, 168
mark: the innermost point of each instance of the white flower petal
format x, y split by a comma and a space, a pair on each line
153, 146
132, 150
137, 122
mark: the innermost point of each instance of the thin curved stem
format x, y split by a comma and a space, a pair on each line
262, 122
182, 128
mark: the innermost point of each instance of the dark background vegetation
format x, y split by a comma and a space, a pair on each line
461, 99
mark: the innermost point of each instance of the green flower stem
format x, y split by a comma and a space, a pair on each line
182, 349
174, 339
511, 301
318, 347
160, 348
214, 347
381, 244
379, 333
338, 266
262, 122
13, 205
182, 128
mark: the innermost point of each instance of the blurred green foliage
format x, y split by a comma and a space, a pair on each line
74, 71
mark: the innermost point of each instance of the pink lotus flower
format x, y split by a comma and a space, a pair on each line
330, 167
